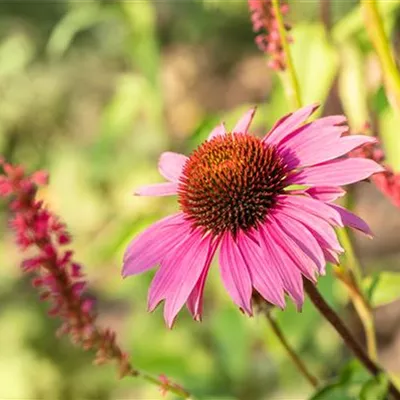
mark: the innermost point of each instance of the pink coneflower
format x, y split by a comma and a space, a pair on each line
265, 203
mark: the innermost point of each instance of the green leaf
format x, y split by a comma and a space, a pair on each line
334, 391
375, 389
385, 289
388, 128
75, 21
313, 57
346, 386
353, 22
352, 88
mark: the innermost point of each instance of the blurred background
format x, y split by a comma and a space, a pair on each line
93, 92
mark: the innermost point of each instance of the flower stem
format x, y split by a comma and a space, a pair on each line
326, 310
292, 86
264, 308
362, 308
376, 32
350, 275
297, 361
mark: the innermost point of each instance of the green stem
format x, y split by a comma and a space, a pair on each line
376, 32
167, 386
291, 83
330, 315
362, 308
297, 361
350, 257
351, 275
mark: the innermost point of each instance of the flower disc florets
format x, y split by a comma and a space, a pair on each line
230, 183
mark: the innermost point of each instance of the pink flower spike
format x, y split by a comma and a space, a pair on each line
235, 192
244, 123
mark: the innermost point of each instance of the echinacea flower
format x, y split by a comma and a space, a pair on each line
265, 203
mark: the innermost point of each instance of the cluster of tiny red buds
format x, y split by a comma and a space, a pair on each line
59, 278
265, 24
167, 384
388, 182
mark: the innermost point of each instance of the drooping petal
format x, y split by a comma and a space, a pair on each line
235, 274
352, 220
303, 238
179, 272
321, 229
151, 246
192, 266
171, 164
336, 173
266, 280
219, 130
195, 299
158, 189
243, 124
325, 193
331, 257
312, 206
303, 262
289, 123
279, 260
320, 145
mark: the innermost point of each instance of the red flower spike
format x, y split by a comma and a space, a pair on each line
265, 25
55, 273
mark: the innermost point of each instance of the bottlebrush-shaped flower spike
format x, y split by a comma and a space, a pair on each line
268, 39
236, 192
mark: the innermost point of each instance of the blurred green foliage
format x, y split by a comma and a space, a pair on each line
83, 95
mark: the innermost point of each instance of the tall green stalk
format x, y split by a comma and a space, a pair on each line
376, 32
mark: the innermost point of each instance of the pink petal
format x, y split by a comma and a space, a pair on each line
304, 263
266, 280
289, 123
171, 164
312, 206
179, 272
331, 257
217, 131
235, 274
322, 231
326, 193
279, 260
158, 189
151, 246
303, 238
352, 220
243, 124
195, 299
317, 145
337, 172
